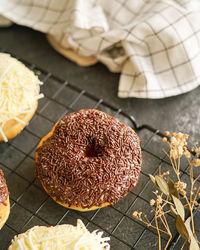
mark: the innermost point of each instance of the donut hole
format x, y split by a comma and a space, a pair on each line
93, 149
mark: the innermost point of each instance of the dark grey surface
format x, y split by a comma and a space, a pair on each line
30, 204
180, 113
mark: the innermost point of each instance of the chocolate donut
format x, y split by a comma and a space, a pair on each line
89, 160
4, 200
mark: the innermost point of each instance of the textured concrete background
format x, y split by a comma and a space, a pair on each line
180, 113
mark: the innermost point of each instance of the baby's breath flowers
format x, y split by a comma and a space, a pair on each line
196, 163
180, 186
175, 196
177, 145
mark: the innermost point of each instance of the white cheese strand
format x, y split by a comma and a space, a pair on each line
19, 120
5, 72
30, 239
40, 96
3, 135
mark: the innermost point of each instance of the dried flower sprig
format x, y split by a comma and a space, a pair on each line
173, 196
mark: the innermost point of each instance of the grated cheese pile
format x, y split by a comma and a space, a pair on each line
19, 90
61, 237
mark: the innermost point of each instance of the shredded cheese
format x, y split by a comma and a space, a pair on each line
19, 90
61, 237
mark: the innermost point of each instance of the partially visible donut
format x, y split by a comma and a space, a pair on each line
19, 94
89, 160
4, 200
61, 237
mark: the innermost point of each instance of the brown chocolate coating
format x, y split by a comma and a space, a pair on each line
91, 158
3, 188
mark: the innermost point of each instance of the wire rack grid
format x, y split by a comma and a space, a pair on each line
30, 205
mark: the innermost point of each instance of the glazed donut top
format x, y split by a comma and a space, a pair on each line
91, 158
3, 188
19, 90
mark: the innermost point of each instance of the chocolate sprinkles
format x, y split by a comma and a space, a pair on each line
3, 189
91, 158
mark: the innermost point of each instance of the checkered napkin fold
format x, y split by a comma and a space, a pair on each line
155, 44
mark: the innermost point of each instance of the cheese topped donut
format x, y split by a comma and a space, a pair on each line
88, 160
4, 200
19, 94
62, 237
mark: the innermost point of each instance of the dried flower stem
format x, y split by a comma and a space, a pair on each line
169, 232
192, 219
195, 196
185, 241
158, 230
148, 223
176, 168
175, 193
196, 178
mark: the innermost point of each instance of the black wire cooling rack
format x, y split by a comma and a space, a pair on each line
31, 206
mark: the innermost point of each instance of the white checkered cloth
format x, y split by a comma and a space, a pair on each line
155, 44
